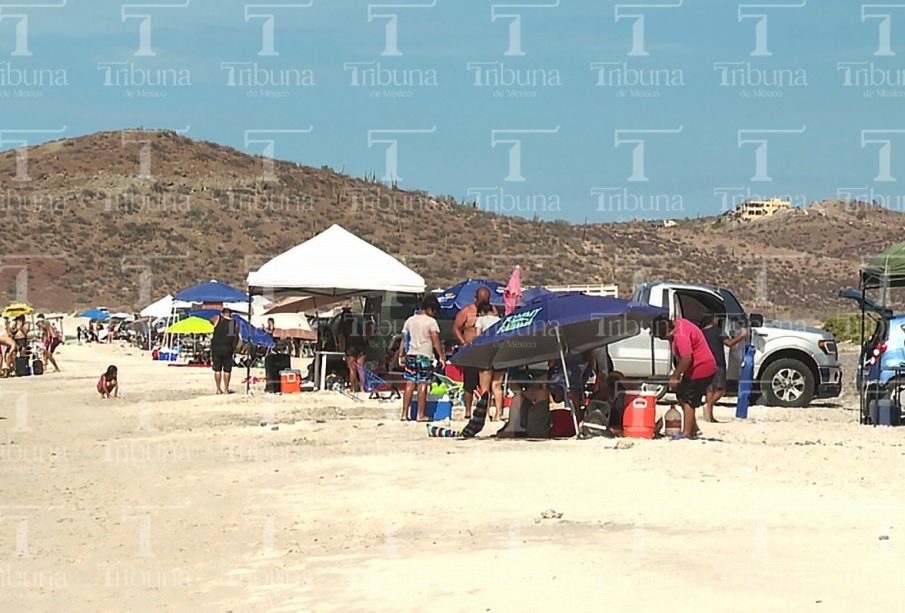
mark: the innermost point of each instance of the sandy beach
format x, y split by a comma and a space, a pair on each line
174, 498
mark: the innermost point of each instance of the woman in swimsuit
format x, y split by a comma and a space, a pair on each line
19, 331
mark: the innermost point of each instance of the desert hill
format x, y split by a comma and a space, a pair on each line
118, 218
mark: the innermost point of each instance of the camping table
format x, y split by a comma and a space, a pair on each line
320, 366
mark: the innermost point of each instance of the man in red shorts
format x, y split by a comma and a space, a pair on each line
695, 366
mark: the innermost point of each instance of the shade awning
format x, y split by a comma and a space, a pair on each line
886, 270
303, 304
212, 291
335, 263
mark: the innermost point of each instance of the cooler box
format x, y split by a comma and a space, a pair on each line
454, 373
23, 369
561, 424
290, 381
437, 408
640, 415
885, 412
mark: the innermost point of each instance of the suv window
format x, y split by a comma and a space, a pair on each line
642, 294
693, 305
733, 306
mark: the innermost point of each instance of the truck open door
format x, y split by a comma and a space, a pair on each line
734, 322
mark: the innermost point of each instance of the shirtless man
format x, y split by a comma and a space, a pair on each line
465, 331
50, 339
7, 345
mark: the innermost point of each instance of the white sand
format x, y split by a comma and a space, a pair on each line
174, 498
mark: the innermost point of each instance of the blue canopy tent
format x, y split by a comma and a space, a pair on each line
212, 291
552, 327
258, 337
95, 314
533, 295
454, 299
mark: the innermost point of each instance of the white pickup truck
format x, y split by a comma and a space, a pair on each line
793, 364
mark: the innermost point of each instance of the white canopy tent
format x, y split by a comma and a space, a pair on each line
333, 265
258, 303
163, 307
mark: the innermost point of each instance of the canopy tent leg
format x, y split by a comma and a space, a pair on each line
862, 400
565, 373
250, 346
317, 348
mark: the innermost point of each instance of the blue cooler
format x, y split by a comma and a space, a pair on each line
885, 412
437, 408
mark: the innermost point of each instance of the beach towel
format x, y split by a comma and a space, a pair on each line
478, 417
472, 428
440, 432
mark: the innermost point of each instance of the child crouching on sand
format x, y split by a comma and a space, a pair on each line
108, 385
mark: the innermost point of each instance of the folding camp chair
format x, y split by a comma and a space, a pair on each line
455, 389
375, 386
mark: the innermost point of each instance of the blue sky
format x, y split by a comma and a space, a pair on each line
711, 119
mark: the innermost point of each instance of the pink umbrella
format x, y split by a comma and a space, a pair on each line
513, 292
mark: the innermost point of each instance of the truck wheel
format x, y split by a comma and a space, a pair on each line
787, 382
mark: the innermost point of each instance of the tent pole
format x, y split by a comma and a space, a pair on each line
565, 375
862, 400
250, 347
317, 348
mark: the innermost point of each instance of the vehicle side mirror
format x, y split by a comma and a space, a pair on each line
756, 320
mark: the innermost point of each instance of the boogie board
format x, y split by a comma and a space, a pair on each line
746, 382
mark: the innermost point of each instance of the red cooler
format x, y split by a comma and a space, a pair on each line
640, 415
290, 381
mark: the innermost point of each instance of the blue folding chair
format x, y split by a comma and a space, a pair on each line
375, 386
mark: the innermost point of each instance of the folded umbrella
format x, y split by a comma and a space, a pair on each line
513, 292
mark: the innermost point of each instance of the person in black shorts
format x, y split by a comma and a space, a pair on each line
465, 331
716, 340
694, 369
355, 334
223, 346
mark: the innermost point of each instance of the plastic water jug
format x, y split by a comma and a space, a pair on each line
672, 421
640, 415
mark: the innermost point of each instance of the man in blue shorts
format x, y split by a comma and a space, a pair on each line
421, 340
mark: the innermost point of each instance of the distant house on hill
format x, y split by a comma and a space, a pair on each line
760, 209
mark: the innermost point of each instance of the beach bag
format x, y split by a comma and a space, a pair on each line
596, 421
562, 425
538, 423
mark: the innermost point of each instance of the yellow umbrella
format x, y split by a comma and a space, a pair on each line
191, 325
14, 310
